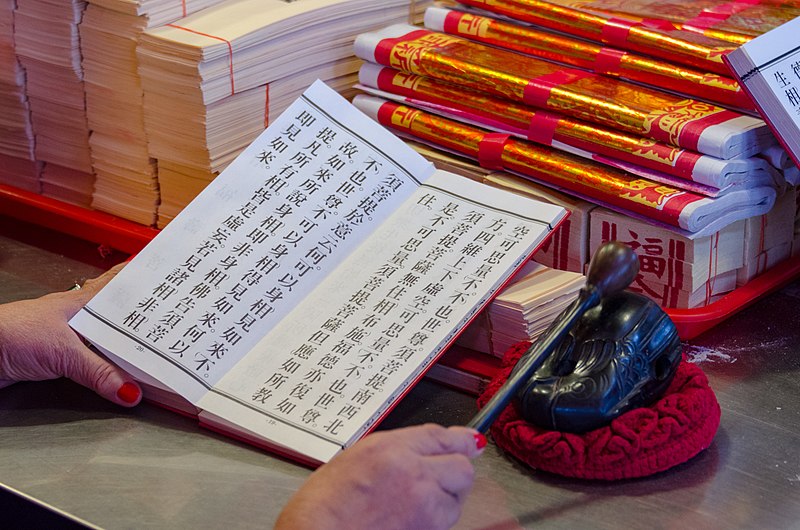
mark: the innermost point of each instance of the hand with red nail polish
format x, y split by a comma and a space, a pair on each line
415, 477
36, 343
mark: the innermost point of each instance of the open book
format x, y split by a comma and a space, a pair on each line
767, 68
310, 285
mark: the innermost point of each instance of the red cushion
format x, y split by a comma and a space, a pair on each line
637, 443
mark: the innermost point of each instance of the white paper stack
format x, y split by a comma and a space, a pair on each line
675, 270
17, 165
67, 184
126, 183
778, 158
214, 79
768, 238
526, 308
47, 44
523, 310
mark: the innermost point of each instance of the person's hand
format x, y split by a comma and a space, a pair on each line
415, 477
36, 343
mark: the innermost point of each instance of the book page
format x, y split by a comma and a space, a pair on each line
773, 64
253, 244
329, 370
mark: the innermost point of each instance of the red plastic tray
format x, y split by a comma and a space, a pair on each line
130, 237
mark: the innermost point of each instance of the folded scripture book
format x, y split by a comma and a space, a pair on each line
766, 67
310, 285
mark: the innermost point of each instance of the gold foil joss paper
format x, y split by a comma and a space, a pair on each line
735, 22
618, 189
583, 54
587, 139
659, 38
576, 93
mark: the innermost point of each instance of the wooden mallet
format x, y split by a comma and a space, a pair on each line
612, 268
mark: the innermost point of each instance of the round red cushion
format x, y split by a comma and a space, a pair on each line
637, 443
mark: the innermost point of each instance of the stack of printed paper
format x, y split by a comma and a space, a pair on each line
126, 181
17, 160
47, 44
768, 238
213, 80
674, 270
523, 310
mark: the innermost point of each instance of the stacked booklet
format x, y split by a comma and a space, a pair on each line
48, 47
18, 165
126, 175
310, 285
523, 310
214, 79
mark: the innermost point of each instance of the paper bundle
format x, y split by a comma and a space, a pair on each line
620, 190
691, 170
779, 159
736, 22
674, 270
685, 123
126, 183
67, 185
16, 133
652, 36
47, 44
524, 310
214, 79
614, 62
20, 173
768, 237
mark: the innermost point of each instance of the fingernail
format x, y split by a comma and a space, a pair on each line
480, 440
128, 392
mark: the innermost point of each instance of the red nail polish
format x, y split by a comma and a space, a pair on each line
128, 392
480, 440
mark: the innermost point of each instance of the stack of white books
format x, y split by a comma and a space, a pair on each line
768, 238
676, 269
126, 179
48, 47
17, 161
213, 80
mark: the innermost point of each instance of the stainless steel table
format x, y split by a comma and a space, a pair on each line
66, 449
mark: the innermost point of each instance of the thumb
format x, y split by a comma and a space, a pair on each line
92, 371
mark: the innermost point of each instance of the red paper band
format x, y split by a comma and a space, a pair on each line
538, 90
230, 48
657, 23
183, 7
713, 261
490, 150
690, 134
707, 20
383, 50
615, 31
608, 61
451, 21
542, 127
